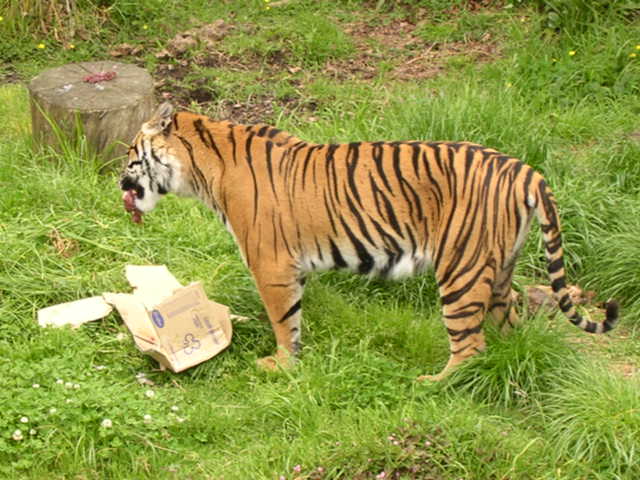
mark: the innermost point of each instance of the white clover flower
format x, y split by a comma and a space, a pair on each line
100, 367
24, 419
147, 418
68, 385
69, 400
106, 423
180, 419
53, 410
59, 381
32, 431
174, 408
36, 385
150, 393
76, 386
17, 435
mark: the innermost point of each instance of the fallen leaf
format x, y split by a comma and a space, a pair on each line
207, 34
540, 296
65, 247
214, 31
125, 49
579, 296
164, 53
181, 43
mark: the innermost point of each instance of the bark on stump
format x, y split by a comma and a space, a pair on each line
109, 108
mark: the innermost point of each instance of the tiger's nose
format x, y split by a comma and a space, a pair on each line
127, 183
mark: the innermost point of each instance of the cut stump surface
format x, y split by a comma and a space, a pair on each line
110, 101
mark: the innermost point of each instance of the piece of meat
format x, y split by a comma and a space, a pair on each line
100, 77
129, 198
136, 216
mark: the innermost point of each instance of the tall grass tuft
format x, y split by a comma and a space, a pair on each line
57, 20
517, 367
617, 274
593, 416
573, 16
465, 111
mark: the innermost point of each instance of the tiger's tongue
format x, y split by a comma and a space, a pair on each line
128, 199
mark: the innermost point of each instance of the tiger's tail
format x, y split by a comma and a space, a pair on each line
547, 214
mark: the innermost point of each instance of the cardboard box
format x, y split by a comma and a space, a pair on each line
178, 326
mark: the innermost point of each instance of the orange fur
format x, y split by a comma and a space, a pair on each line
377, 208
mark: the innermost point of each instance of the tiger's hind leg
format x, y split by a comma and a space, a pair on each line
501, 309
464, 306
282, 296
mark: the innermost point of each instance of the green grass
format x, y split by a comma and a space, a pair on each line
542, 403
303, 39
594, 417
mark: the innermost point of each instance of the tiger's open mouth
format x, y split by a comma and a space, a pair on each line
129, 199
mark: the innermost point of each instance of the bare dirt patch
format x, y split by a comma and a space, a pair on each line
9, 76
608, 347
206, 36
374, 44
393, 49
627, 370
422, 448
410, 57
433, 59
201, 47
262, 108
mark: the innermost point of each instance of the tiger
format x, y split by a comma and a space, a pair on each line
389, 209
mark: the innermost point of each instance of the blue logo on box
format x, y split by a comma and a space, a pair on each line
157, 318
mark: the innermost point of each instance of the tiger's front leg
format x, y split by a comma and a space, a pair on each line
281, 293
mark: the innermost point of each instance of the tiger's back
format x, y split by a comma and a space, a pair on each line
376, 208
390, 208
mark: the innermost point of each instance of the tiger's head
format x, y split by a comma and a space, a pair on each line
152, 170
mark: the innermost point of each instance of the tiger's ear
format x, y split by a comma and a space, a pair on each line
164, 111
161, 120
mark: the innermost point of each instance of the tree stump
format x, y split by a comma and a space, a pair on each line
107, 101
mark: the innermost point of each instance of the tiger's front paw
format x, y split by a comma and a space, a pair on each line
282, 360
435, 378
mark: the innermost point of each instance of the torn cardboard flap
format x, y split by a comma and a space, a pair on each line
74, 313
178, 326
151, 283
